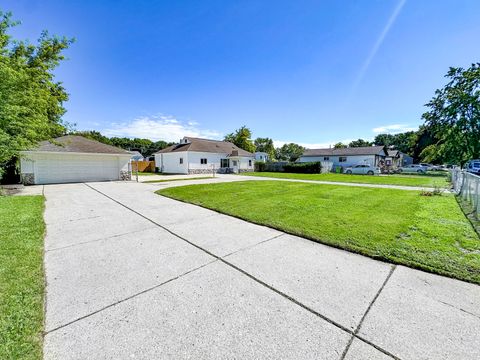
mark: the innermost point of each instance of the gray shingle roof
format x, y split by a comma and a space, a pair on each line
367, 150
74, 143
206, 145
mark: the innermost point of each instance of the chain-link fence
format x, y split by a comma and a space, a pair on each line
467, 186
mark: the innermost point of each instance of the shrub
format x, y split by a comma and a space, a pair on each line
269, 166
304, 168
259, 166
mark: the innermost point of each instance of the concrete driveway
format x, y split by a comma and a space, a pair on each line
133, 275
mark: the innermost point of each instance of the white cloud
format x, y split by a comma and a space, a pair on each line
393, 129
279, 143
160, 127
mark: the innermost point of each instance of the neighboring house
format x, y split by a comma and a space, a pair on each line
261, 156
73, 159
397, 158
136, 155
345, 157
202, 156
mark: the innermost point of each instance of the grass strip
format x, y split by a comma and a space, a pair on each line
21, 276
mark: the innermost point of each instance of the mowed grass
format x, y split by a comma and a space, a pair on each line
429, 233
403, 180
21, 277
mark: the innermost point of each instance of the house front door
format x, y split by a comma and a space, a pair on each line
235, 166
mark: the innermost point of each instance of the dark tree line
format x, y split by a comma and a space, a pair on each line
145, 146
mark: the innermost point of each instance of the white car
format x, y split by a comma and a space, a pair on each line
413, 169
428, 166
363, 169
473, 166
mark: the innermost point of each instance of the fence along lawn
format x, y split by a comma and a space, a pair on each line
402, 180
425, 232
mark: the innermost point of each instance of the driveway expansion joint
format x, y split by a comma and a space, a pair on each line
252, 246
355, 333
127, 298
96, 240
282, 294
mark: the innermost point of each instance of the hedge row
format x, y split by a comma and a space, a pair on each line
304, 168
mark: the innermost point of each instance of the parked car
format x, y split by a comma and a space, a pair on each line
428, 166
363, 169
413, 169
473, 166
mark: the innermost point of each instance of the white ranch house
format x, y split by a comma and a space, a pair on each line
345, 157
203, 156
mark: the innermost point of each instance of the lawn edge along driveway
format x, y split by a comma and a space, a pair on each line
396, 180
429, 233
22, 282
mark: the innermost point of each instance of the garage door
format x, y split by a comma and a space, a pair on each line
59, 169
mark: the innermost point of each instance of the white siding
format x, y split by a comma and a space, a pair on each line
261, 156
352, 160
213, 159
170, 162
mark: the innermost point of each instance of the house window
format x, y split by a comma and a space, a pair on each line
181, 160
234, 162
249, 162
326, 158
203, 161
224, 163
342, 159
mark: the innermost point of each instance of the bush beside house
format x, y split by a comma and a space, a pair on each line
314, 167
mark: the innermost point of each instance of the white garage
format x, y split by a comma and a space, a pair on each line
74, 159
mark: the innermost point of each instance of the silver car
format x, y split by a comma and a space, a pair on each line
413, 169
363, 169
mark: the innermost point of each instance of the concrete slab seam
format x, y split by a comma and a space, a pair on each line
127, 298
354, 335
253, 245
288, 297
96, 240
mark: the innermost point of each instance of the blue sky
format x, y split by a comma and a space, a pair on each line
311, 72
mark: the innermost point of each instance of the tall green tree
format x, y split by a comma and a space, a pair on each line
93, 135
339, 145
145, 146
265, 145
454, 118
289, 152
404, 142
31, 100
359, 143
242, 138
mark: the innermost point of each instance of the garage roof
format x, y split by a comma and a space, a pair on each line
78, 144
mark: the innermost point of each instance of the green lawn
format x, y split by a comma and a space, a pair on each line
429, 233
21, 277
183, 179
144, 173
404, 180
